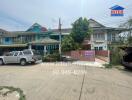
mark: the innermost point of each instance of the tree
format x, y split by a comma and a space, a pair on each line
80, 30
128, 25
129, 41
68, 44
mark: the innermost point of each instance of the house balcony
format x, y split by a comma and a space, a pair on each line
114, 42
10, 43
99, 40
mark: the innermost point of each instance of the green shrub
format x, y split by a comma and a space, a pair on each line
108, 65
12, 89
52, 57
116, 56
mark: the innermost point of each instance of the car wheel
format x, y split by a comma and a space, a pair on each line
23, 62
1, 62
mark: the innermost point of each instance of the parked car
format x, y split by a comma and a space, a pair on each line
127, 58
21, 57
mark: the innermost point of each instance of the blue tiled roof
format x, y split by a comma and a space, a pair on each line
36, 28
116, 7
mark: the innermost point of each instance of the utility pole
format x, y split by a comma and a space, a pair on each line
60, 38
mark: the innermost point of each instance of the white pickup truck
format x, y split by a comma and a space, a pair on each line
21, 57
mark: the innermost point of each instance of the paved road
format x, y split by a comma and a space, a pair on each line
68, 82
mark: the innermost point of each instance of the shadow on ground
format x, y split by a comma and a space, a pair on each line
27, 65
127, 71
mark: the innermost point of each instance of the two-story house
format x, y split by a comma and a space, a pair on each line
36, 37
101, 36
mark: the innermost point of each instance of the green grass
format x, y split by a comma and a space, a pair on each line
12, 89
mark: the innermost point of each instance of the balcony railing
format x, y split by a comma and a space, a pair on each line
19, 42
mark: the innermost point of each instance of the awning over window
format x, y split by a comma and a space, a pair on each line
44, 41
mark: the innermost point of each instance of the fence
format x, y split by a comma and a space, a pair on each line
103, 55
83, 55
89, 55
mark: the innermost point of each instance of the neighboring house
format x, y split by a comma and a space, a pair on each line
36, 37
3, 37
56, 33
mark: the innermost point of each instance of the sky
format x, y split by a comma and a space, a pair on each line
19, 15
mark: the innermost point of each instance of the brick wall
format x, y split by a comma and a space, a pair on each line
103, 53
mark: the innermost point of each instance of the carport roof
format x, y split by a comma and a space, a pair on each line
13, 45
44, 41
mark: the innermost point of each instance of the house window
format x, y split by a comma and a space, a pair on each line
7, 39
1, 33
95, 36
109, 36
113, 37
99, 36
100, 48
96, 48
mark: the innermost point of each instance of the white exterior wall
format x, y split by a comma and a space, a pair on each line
104, 45
99, 43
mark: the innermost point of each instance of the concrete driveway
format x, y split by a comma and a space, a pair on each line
68, 82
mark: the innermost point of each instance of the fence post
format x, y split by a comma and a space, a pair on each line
109, 56
94, 55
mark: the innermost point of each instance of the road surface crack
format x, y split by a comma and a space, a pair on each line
82, 85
